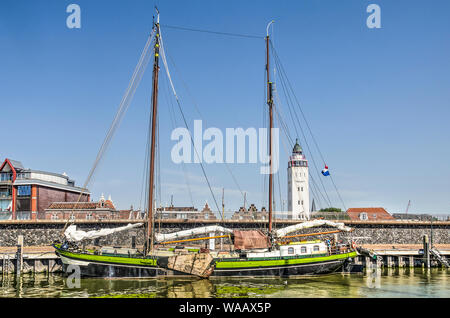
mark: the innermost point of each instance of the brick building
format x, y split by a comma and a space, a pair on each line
101, 210
251, 213
370, 214
185, 213
26, 193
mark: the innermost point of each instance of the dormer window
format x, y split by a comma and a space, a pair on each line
363, 216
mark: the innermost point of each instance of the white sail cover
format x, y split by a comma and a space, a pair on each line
74, 235
196, 231
309, 224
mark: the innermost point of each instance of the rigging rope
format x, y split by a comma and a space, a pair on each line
286, 132
184, 119
123, 106
213, 32
289, 101
304, 118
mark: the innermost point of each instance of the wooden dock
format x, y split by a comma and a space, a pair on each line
35, 259
38, 259
401, 255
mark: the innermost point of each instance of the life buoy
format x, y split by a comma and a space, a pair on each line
353, 245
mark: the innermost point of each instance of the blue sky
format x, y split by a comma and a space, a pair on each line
377, 100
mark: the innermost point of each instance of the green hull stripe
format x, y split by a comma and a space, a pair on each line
224, 264
220, 263
109, 259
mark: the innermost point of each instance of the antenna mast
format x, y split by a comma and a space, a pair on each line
270, 104
149, 234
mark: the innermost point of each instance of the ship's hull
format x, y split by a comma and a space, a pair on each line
310, 266
90, 265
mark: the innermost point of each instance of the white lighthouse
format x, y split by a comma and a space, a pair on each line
298, 185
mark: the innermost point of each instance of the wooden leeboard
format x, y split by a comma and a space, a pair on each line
194, 264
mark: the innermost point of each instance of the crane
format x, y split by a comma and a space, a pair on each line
407, 207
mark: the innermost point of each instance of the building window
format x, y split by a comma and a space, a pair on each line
363, 216
302, 189
24, 191
298, 189
316, 248
89, 216
298, 202
374, 216
6, 176
303, 250
54, 216
290, 250
72, 217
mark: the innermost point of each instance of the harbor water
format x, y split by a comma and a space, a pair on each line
374, 282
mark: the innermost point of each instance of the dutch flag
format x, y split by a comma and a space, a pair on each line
325, 171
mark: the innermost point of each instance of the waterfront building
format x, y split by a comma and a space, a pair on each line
251, 213
100, 210
298, 185
369, 214
26, 193
185, 213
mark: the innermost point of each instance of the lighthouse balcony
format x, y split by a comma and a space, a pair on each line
298, 163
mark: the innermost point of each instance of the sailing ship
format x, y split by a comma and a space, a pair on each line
251, 252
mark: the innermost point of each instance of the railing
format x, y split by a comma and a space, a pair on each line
5, 215
23, 215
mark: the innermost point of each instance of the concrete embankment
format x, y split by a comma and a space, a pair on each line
396, 243
45, 232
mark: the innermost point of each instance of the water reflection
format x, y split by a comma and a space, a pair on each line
375, 282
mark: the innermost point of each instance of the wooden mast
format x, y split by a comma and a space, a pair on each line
270, 104
151, 186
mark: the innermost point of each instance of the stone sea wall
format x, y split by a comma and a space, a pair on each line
46, 233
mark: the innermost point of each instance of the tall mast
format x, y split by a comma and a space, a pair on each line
149, 234
270, 104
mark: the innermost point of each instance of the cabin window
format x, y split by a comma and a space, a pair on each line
303, 249
290, 250
316, 248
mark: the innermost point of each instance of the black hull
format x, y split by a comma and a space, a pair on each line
121, 271
285, 271
115, 271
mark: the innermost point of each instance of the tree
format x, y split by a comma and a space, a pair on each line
331, 209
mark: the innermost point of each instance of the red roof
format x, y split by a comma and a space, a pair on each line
371, 214
81, 205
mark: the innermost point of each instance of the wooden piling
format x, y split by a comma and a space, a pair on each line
426, 251
19, 255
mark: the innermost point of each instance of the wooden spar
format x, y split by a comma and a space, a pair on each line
270, 104
195, 239
311, 234
149, 234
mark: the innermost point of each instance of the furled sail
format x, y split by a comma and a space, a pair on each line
196, 231
74, 235
309, 224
